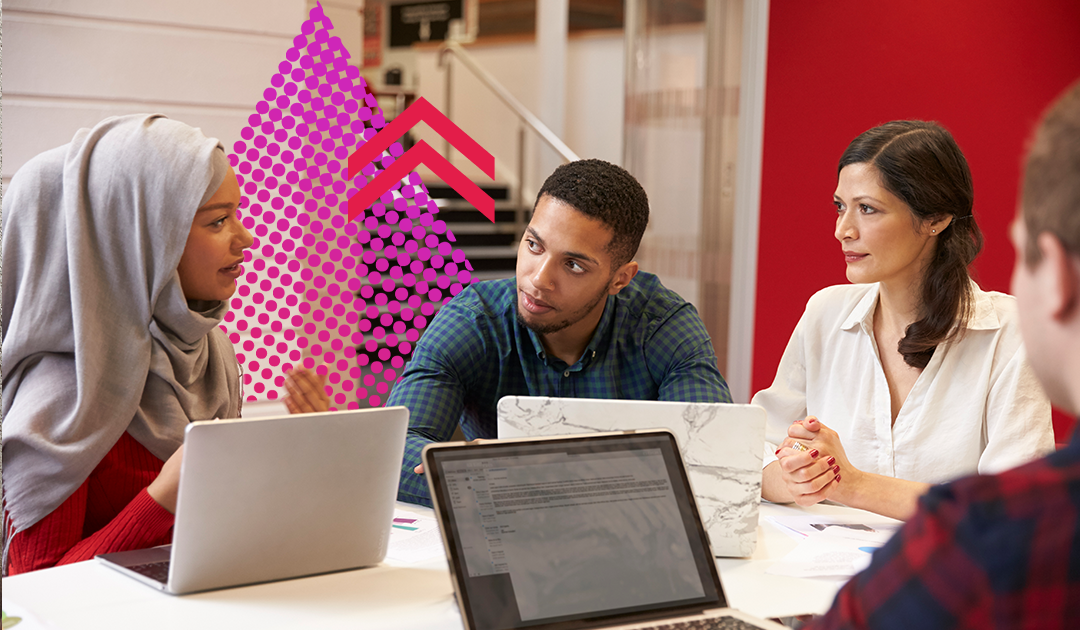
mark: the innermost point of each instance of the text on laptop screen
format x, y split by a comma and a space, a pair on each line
554, 533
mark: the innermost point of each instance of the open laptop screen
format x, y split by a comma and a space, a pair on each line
564, 532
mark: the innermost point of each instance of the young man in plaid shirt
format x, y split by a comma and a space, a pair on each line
578, 320
1003, 551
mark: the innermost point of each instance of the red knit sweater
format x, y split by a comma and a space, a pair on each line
110, 511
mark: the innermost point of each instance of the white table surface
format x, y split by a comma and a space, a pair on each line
88, 595
750, 589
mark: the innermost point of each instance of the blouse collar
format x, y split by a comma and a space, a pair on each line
983, 317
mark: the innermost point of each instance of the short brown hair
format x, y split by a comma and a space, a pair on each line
1051, 193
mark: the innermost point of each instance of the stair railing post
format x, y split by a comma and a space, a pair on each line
448, 87
519, 212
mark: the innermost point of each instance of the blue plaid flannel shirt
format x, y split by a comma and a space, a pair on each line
650, 345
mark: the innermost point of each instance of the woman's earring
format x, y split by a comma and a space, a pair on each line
933, 231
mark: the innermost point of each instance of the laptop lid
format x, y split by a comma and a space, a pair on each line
571, 532
721, 444
280, 497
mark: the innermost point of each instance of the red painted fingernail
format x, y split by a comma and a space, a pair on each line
778, 451
814, 453
832, 460
836, 469
838, 479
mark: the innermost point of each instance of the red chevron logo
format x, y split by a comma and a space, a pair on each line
421, 110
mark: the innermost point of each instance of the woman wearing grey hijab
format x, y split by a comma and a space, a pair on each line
120, 251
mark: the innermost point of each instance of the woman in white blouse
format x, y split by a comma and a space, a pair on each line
912, 375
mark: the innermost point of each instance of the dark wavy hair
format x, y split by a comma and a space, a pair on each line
920, 163
608, 193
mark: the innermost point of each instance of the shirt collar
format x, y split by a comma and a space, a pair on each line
602, 332
538, 346
983, 315
863, 313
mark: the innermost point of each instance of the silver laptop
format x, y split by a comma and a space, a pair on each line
276, 498
587, 531
720, 443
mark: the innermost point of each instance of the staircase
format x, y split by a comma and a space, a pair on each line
491, 248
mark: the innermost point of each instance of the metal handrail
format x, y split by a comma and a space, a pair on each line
526, 116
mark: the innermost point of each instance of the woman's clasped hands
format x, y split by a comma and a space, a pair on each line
812, 462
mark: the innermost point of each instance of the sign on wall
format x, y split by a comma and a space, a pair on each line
413, 22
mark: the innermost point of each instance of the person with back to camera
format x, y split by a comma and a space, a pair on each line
912, 375
120, 251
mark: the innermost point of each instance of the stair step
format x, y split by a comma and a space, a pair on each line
488, 252
500, 265
457, 217
461, 163
462, 205
468, 242
439, 190
461, 228
493, 275
487, 274
506, 251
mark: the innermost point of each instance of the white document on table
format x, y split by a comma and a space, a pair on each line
15, 616
799, 526
414, 538
833, 551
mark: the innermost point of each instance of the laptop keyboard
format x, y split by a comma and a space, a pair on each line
718, 623
154, 570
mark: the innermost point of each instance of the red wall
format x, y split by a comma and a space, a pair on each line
985, 69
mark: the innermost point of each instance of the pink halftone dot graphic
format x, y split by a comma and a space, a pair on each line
348, 299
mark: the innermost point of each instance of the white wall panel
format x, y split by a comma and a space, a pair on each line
595, 90
69, 64
256, 16
76, 57
33, 125
594, 99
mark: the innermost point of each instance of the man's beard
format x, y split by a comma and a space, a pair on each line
575, 317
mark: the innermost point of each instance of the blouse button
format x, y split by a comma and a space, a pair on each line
566, 373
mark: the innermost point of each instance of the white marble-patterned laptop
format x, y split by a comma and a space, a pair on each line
720, 444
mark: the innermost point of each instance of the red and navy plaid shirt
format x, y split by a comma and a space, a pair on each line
992, 552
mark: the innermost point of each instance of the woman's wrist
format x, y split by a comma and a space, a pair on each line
888, 496
162, 494
850, 487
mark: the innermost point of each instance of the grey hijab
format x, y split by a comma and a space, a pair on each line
97, 336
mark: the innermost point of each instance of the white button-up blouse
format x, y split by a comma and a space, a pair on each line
976, 407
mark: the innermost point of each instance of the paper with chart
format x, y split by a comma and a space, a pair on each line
414, 538
801, 525
830, 546
17, 617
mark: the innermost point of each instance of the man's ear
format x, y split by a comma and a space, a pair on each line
1060, 277
623, 276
